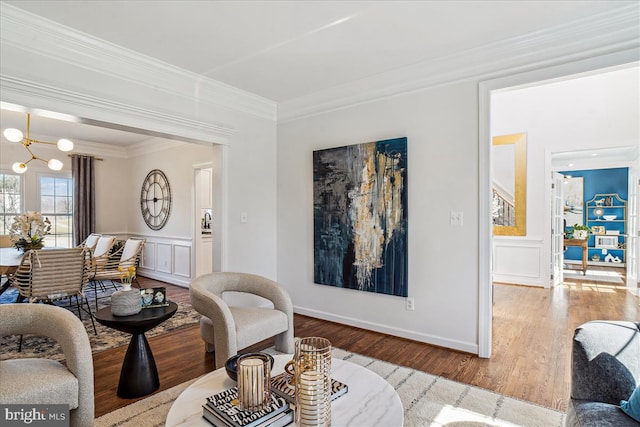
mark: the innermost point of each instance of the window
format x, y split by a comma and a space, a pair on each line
56, 203
10, 200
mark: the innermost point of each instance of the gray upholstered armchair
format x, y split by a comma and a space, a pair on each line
226, 329
605, 369
44, 381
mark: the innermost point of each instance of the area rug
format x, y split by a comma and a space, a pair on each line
106, 338
428, 400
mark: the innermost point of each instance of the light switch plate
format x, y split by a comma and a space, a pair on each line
456, 219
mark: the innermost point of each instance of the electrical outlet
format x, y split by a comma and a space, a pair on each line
243, 217
411, 304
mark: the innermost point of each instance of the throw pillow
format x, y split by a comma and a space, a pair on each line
631, 407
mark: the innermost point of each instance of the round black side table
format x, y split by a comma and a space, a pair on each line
139, 374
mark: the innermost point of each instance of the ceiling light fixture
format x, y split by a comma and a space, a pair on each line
15, 135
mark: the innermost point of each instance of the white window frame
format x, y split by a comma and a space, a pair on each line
52, 216
22, 194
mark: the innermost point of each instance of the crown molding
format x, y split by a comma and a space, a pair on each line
116, 114
144, 148
609, 32
99, 150
152, 145
58, 42
613, 31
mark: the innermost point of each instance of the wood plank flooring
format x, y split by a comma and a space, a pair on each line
532, 332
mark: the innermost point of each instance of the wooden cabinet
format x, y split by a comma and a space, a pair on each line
606, 216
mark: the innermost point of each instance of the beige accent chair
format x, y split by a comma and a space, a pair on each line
44, 381
226, 329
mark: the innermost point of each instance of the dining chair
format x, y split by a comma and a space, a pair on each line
55, 274
127, 256
102, 251
91, 241
5, 241
99, 258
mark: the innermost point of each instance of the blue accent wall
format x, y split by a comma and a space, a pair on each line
599, 181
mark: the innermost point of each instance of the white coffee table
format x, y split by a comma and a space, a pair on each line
370, 401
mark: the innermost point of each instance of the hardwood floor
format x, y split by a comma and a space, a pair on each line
532, 332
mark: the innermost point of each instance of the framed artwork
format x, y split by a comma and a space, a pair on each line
598, 229
154, 297
606, 242
360, 217
574, 201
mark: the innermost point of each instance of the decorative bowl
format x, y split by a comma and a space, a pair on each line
609, 217
231, 365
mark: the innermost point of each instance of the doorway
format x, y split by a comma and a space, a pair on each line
600, 198
203, 221
539, 231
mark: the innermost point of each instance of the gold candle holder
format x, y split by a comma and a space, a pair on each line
312, 361
254, 383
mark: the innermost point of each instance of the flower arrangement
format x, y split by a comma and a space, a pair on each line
126, 276
28, 230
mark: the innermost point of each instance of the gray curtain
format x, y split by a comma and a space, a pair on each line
84, 202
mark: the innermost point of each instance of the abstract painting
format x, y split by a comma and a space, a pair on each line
360, 217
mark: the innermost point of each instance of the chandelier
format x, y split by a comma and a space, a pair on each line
15, 135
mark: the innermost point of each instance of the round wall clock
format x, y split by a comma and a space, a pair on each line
155, 199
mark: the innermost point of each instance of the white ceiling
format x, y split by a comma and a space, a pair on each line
283, 50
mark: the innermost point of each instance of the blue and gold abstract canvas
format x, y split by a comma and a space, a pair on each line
360, 216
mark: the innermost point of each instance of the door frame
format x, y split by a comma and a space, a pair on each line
485, 239
557, 228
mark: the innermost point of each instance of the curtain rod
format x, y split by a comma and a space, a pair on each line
84, 154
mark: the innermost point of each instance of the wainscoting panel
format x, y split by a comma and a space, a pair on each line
182, 260
518, 262
167, 259
149, 256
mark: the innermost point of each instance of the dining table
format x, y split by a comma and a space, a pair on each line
10, 259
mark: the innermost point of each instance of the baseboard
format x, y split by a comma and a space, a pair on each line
466, 347
172, 280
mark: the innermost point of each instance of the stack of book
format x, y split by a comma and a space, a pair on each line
222, 410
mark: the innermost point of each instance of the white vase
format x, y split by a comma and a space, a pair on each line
580, 234
126, 302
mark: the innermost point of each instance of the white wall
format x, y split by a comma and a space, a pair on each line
90, 79
590, 112
442, 129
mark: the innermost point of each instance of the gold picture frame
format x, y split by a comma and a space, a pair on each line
598, 229
518, 142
